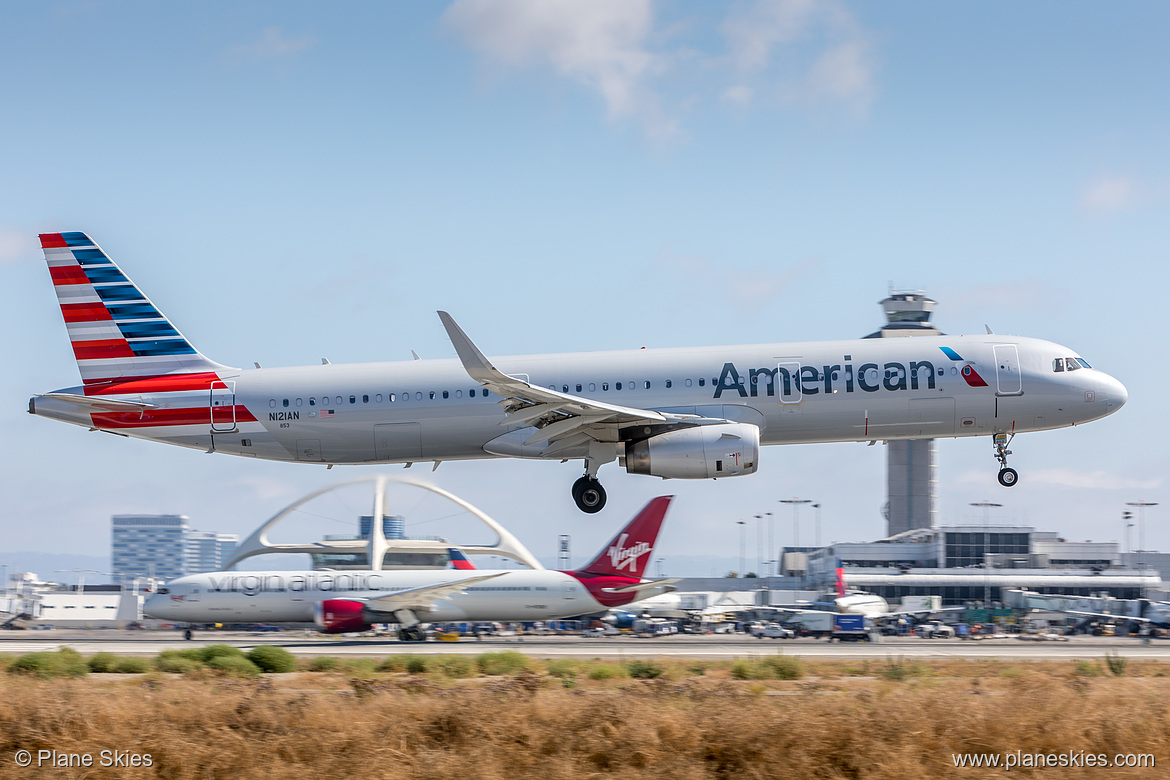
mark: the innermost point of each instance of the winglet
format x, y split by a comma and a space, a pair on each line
474, 362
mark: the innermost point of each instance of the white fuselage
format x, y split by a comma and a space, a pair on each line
860, 390
290, 596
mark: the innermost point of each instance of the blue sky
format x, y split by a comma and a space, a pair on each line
289, 181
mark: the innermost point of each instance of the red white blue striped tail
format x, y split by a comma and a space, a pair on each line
116, 332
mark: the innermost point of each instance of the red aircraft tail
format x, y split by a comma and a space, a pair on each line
628, 554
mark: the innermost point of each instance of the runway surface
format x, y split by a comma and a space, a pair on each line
677, 645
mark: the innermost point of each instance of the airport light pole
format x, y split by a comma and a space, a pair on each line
987, 505
817, 524
1127, 520
1141, 510
742, 548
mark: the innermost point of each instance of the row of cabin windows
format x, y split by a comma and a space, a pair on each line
473, 393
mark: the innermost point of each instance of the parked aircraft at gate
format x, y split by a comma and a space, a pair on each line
344, 601
681, 413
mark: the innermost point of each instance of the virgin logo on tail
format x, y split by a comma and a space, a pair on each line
621, 557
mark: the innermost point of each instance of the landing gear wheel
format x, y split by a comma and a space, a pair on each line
1008, 477
412, 634
589, 494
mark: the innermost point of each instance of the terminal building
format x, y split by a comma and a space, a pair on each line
979, 563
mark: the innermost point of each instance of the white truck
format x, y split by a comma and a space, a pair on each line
772, 631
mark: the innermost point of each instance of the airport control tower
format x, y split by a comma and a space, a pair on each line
911, 465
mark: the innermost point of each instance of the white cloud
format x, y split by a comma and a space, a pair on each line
743, 288
16, 245
601, 44
273, 43
802, 51
812, 51
740, 95
1109, 194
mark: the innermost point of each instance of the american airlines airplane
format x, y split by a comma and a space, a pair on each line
681, 413
344, 601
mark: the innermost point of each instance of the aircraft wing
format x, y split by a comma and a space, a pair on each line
916, 612
99, 405
1109, 615
559, 417
416, 598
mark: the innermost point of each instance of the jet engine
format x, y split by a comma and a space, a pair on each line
699, 452
340, 616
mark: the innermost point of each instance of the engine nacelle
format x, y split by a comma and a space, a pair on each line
340, 616
701, 452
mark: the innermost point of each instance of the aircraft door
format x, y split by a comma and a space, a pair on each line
223, 407
788, 383
1007, 370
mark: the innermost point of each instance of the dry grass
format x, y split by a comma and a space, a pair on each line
836, 722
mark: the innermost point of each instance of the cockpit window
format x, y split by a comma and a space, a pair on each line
1083, 362
1058, 365
164, 591
1071, 364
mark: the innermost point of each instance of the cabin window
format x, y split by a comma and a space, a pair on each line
631, 385
471, 393
617, 386
578, 387
353, 399
390, 397
339, 401
365, 399
377, 398
702, 381
284, 402
667, 384
565, 389
605, 386
592, 387
312, 401
418, 396
271, 403
458, 393
446, 394
299, 402
687, 383
432, 395
647, 386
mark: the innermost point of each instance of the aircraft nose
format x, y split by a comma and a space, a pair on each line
1115, 393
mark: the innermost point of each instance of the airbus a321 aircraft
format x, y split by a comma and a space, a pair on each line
343, 601
682, 413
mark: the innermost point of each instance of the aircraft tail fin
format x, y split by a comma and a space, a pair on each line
628, 554
840, 580
116, 332
459, 560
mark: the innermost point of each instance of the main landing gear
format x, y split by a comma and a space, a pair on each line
412, 634
1007, 477
589, 494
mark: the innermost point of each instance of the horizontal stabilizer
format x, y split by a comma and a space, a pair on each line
99, 404
663, 585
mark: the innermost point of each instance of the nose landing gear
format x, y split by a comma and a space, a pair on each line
1007, 476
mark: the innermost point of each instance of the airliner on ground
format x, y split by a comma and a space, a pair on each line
681, 413
344, 601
